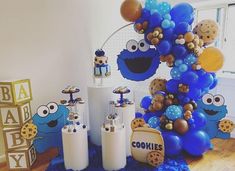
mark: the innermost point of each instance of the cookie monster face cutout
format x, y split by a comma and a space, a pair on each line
138, 61
50, 118
212, 107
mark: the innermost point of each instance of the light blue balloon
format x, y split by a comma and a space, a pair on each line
190, 59
154, 122
178, 62
175, 73
164, 8
172, 24
167, 16
174, 112
151, 4
166, 24
183, 68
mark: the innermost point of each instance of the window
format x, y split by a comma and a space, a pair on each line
223, 14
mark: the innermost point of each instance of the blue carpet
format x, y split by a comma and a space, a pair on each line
95, 163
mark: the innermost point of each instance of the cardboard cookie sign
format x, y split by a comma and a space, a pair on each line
147, 146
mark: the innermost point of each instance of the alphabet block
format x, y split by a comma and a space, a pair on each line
15, 116
15, 92
14, 140
21, 159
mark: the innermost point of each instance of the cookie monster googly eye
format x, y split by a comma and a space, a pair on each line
143, 46
218, 100
208, 99
43, 111
132, 46
53, 107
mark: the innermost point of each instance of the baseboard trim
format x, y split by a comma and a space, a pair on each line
2, 158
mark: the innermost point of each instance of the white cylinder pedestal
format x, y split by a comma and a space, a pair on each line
113, 149
75, 146
98, 98
127, 114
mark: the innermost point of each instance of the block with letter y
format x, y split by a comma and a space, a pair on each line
21, 159
15, 92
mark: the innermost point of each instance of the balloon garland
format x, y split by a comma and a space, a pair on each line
172, 105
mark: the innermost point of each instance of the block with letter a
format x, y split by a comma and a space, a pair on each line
15, 92
21, 159
15, 116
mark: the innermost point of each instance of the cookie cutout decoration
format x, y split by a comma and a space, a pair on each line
28, 131
157, 85
155, 158
136, 123
207, 30
226, 126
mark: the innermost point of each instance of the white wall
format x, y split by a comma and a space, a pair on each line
52, 42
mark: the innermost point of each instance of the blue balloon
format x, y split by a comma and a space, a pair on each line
175, 73
199, 120
189, 78
138, 115
182, 28
194, 93
174, 112
146, 102
148, 115
201, 72
166, 24
168, 34
196, 142
183, 68
179, 51
190, 59
205, 81
172, 86
155, 20
154, 122
182, 12
172, 142
214, 83
164, 47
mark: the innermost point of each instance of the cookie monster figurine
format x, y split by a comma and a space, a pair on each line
138, 61
49, 120
214, 109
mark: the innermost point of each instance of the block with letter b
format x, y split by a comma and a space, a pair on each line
15, 116
15, 92
21, 159
14, 140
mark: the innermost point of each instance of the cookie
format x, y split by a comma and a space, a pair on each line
138, 122
28, 131
207, 30
226, 126
155, 158
157, 85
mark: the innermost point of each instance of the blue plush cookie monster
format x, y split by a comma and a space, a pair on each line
214, 109
49, 120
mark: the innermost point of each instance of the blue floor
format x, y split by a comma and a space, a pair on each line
95, 160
